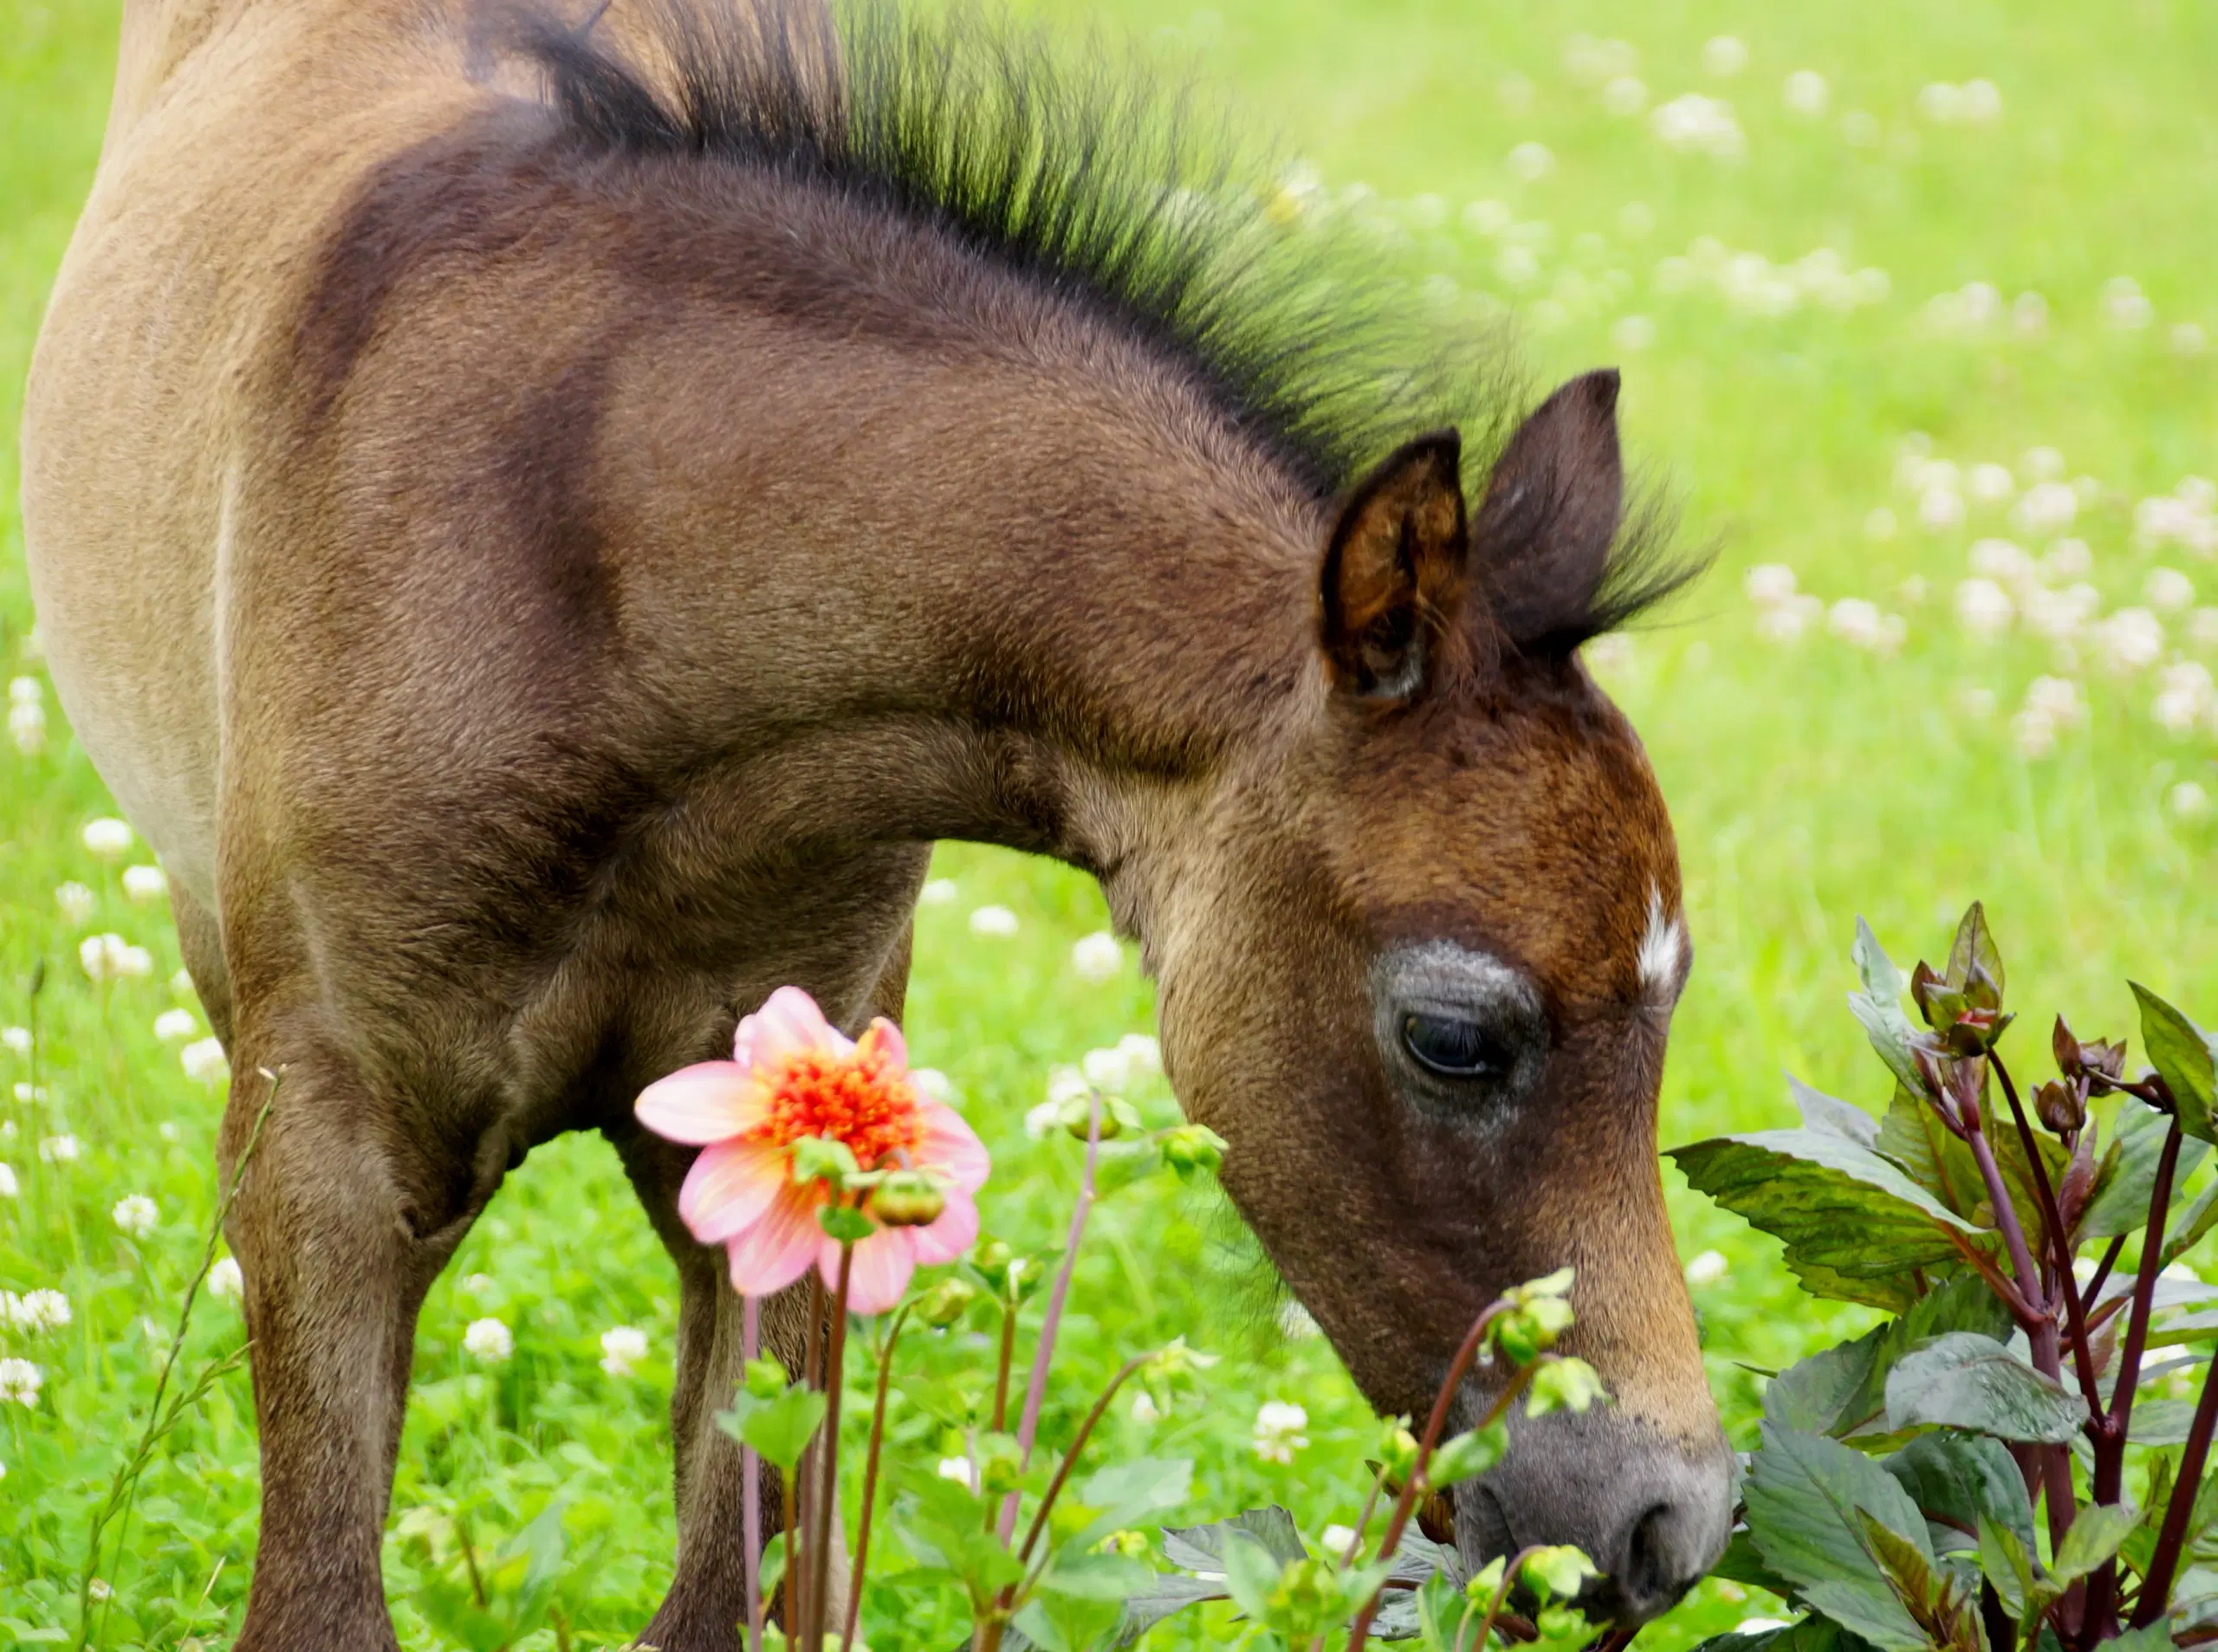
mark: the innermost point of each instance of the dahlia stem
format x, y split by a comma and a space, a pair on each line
750, 1477
811, 1372
1035, 1389
835, 1363
870, 1479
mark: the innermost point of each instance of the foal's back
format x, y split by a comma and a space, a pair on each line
240, 130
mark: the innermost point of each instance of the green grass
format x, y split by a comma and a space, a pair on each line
1810, 782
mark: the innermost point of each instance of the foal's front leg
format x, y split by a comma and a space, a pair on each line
338, 1231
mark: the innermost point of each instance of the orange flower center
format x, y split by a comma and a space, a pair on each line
854, 1099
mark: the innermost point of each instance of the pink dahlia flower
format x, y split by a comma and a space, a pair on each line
792, 1075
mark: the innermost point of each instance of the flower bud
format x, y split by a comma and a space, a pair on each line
943, 1304
992, 1260
766, 1378
2059, 1106
907, 1199
1398, 1452
1193, 1150
1076, 1116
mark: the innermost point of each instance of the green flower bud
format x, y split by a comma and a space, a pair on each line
907, 1199
992, 1260
1398, 1452
1560, 1571
1130, 1544
1466, 1454
1486, 1582
766, 1378
1563, 1384
822, 1158
943, 1304
1193, 1150
1001, 1464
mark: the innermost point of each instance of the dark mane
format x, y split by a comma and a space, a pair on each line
1133, 205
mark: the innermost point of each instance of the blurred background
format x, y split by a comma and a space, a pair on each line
1915, 310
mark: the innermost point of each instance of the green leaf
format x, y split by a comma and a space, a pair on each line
2127, 1173
1201, 1548
1166, 1592
1059, 1620
2189, 1225
1830, 1117
779, 1428
1958, 1481
2160, 1422
2182, 1055
1806, 1499
1913, 1136
2153, 1638
1975, 946
1251, 1572
1094, 1576
1742, 1562
2009, 1149
2096, 1532
1466, 1455
1879, 1007
1126, 1493
1840, 1207
1962, 1380
2007, 1561
1844, 1387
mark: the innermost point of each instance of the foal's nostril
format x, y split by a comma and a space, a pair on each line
1659, 1562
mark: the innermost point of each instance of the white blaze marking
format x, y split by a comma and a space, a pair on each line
1663, 952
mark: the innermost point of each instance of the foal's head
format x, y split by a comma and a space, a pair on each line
1428, 969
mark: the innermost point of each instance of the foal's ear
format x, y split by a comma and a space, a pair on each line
1541, 540
1395, 570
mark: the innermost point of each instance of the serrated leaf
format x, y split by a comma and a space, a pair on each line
1912, 1135
1845, 1387
2182, 1054
1831, 1117
1840, 1207
2127, 1174
1960, 1480
1201, 1548
1961, 1380
1166, 1592
1742, 1562
2007, 1561
1126, 1493
1975, 946
2189, 1226
2096, 1532
1879, 1007
2152, 1637
1806, 1499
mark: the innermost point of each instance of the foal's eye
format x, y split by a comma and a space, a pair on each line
1455, 1049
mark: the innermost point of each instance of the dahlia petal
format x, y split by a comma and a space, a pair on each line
950, 1234
789, 1023
951, 1147
880, 1273
706, 1102
730, 1187
779, 1247
883, 1036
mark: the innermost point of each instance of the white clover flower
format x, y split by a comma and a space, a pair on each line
2058, 699
961, 1470
2059, 616
1805, 92
1724, 56
1698, 124
2167, 590
26, 727
2068, 559
1608, 654
2029, 315
1530, 161
1143, 1055
1975, 701
1297, 1324
26, 691
1488, 217
1990, 484
1880, 524
9, 1187
174, 1024
1337, 1540
1769, 584
477, 1284
1279, 1425
225, 1282
20, 1381
144, 883
100, 1588
940, 891
60, 1150
2046, 508
2124, 306
1624, 96
1098, 957
1632, 334
136, 1214
2188, 801
488, 1340
993, 920
1787, 622
2000, 560
621, 1348
2041, 464
2203, 628
35, 1310
1144, 1410
2185, 698
76, 901
2175, 713
2130, 640
1979, 101
935, 1085
110, 958
1860, 622
1860, 128
1913, 591
1109, 1070
1708, 1268
2187, 338
107, 837
2033, 734
15, 1040
1939, 509
204, 1062
1941, 102
1983, 608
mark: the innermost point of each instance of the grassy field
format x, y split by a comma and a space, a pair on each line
1888, 245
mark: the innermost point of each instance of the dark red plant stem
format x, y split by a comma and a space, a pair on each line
750, 1477
1458, 1369
870, 1478
1036, 1388
827, 1497
2094, 1290
2171, 1537
2060, 1244
1070, 1457
2117, 1425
